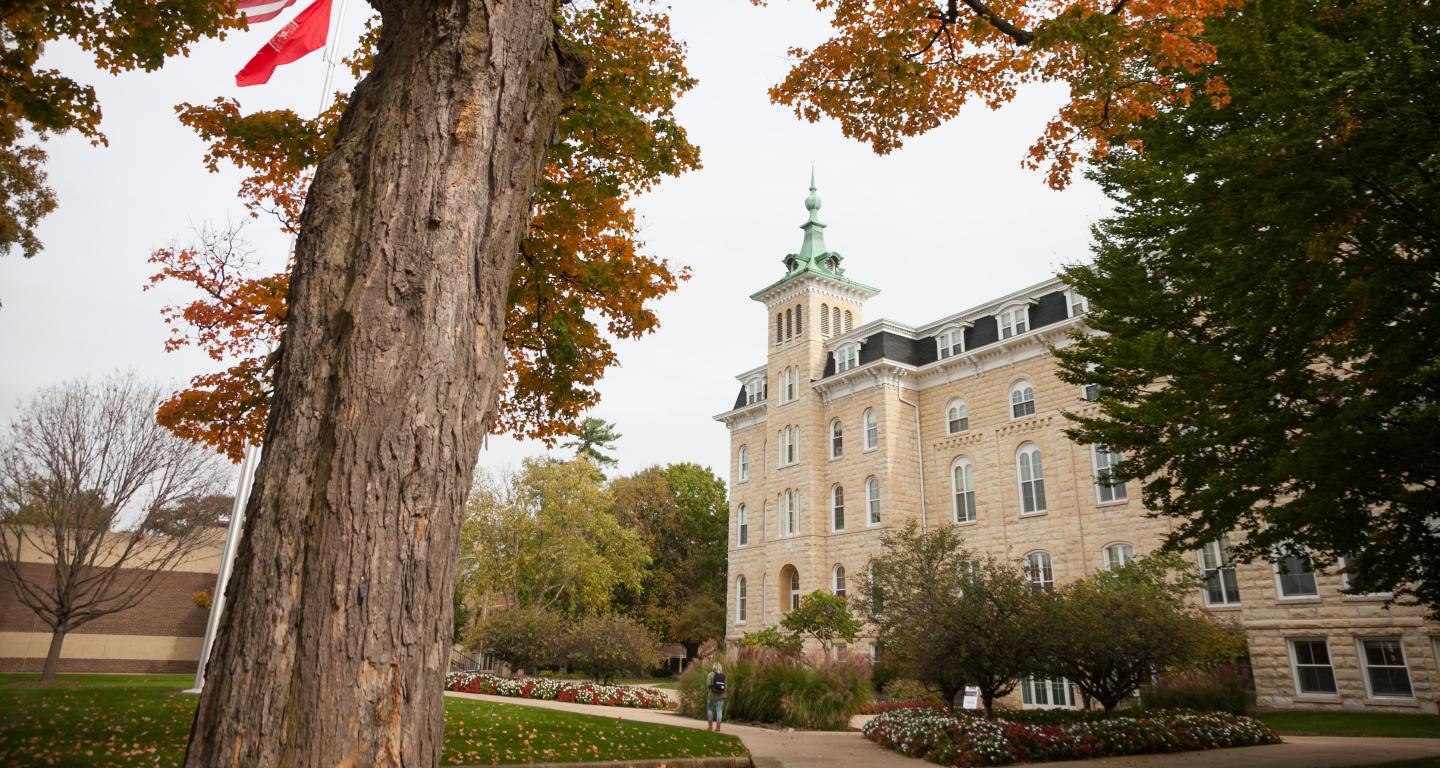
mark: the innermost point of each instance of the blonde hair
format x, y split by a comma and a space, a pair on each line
717, 668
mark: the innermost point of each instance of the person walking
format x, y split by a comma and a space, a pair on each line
714, 697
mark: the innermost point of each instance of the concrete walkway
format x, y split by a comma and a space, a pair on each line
847, 749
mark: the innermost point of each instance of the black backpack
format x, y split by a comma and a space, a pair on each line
717, 682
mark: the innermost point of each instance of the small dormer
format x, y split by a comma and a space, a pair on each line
847, 356
1013, 319
950, 340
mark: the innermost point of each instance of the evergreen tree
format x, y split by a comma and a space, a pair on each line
1266, 293
594, 438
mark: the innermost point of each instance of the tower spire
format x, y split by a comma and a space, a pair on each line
814, 245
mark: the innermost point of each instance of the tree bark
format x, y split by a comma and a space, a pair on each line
334, 644
52, 659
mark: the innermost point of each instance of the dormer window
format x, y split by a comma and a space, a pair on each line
1014, 321
1079, 305
847, 357
950, 343
754, 390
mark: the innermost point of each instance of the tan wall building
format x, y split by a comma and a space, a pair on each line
850, 428
162, 633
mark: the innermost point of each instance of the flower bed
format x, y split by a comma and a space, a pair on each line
876, 708
966, 740
633, 696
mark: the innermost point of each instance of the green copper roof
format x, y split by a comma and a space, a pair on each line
814, 258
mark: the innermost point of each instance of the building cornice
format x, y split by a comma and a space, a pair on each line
792, 286
752, 373
744, 416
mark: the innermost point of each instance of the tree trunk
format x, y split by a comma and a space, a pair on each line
52, 659
334, 643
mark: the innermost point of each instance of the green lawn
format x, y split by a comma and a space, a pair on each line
134, 720
1353, 723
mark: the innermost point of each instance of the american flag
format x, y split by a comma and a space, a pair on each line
255, 11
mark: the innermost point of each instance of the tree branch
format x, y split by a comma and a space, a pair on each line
1020, 36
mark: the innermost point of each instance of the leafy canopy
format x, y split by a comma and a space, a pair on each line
39, 102
823, 617
1266, 295
582, 277
544, 538
898, 68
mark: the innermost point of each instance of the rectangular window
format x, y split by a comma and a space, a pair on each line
1106, 488
1295, 576
1090, 393
1047, 693
1313, 671
1014, 322
950, 343
1221, 585
1079, 305
1385, 669
744, 526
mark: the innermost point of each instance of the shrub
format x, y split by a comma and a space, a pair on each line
607, 646
907, 690
202, 599
768, 686
548, 689
1207, 691
524, 638
966, 740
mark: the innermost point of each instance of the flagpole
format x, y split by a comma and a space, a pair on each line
251, 456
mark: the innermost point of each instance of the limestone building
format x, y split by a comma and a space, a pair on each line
851, 427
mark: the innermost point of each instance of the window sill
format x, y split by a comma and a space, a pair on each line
871, 450
1398, 702
965, 522
1224, 607
1041, 513
1317, 698
1116, 503
1369, 597
836, 458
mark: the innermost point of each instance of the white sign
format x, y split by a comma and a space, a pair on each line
972, 698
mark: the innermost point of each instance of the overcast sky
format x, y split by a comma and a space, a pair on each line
949, 221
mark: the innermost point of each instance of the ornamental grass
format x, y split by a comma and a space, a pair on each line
768, 686
962, 739
547, 689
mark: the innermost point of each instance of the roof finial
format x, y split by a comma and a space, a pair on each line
812, 203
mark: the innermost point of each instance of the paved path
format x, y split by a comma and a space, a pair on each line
846, 749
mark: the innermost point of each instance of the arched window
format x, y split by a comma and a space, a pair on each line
835, 319
742, 526
740, 599
779, 328
872, 429
1032, 479
837, 575
837, 440
1039, 572
794, 589
957, 417
824, 320
1022, 400
1118, 555
792, 513
1107, 489
872, 500
837, 508
962, 487
791, 375
743, 459
799, 323
789, 323
789, 436
849, 321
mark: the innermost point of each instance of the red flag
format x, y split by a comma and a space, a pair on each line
305, 33
256, 11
